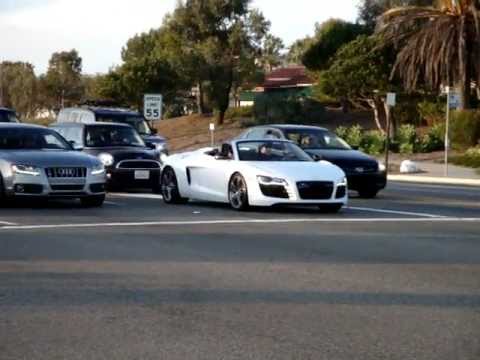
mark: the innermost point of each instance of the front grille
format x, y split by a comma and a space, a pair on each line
138, 164
315, 190
67, 187
274, 191
341, 192
66, 172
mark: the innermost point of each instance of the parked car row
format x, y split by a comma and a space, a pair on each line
91, 150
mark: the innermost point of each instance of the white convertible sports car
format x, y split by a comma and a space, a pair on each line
254, 173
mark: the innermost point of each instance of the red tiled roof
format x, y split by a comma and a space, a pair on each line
291, 76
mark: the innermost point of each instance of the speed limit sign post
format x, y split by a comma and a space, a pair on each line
152, 107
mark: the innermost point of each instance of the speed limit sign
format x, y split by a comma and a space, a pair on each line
152, 106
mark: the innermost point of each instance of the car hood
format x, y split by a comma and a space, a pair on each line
45, 158
346, 159
300, 171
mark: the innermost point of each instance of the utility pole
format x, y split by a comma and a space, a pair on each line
391, 102
447, 131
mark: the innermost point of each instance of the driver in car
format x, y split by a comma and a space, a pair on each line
265, 152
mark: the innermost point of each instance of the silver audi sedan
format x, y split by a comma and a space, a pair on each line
38, 162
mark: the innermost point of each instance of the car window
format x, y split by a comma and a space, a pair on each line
32, 139
273, 134
316, 139
8, 116
105, 136
257, 133
270, 151
71, 133
137, 122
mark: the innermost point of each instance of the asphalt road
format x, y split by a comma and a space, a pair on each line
393, 278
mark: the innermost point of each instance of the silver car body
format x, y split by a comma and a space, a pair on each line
62, 173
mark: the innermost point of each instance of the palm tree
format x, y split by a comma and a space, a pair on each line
437, 45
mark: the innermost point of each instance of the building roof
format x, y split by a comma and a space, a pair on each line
288, 77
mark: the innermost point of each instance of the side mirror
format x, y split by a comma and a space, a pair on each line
76, 146
317, 157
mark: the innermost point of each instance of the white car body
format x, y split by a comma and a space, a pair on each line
201, 176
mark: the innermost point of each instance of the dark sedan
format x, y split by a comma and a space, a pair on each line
129, 162
364, 173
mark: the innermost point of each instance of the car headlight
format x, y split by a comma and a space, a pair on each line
343, 182
160, 146
381, 167
98, 170
26, 170
267, 180
106, 159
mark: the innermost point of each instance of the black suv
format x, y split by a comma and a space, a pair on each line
364, 173
129, 162
8, 115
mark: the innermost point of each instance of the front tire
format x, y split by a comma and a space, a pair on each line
238, 193
93, 201
169, 188
368, 193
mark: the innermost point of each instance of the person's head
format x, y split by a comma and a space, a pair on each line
266, 149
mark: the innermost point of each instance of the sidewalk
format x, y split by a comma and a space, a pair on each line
434, 173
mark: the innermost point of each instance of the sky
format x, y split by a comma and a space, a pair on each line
31, 30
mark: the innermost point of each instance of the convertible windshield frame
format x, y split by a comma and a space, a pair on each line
103, 136
316, 139
270, 151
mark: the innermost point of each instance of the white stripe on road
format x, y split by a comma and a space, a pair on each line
395, 212
240, 222
137, 196
7, 223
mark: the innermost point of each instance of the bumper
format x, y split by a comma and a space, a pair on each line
132, 178
257, 197
43, 187
377, 181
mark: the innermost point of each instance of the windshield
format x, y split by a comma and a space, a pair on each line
270, 151
32, 139
137, 122
311, 139
8, 116
106, 136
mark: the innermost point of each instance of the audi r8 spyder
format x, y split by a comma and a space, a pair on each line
254, 173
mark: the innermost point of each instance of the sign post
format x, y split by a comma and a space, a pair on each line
453, 102
152, 107
391, 102
212, 134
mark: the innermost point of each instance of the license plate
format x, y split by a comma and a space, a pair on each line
142, 175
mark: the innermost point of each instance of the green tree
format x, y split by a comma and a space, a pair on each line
360, 71
224, 36
437, 46
298, 49
271, 52
329, 37
63, 82
19, 87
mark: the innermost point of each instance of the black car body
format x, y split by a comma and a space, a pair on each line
8, 116
364, 173
128, 161
92, 114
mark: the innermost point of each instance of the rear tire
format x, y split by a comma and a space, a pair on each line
238, 193
330, 208
3, 197
169, 188
93, 201
368, 193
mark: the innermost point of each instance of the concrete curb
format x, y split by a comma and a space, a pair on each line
434, 180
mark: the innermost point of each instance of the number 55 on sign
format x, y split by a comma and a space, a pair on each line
152, 106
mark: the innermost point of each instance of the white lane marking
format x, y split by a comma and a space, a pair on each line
236, 222
137, 196
7, 223
395, 212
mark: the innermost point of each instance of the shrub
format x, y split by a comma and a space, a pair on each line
432, 112
465, 128
241, 112
342, 132
355, 136
407, 139
373, 142
434, 139
471, 158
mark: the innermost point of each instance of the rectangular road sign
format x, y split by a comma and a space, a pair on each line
454, 100
391, 99
152, 106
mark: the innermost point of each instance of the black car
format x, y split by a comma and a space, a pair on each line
92, 114
8, 116
128, 161
364, 173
